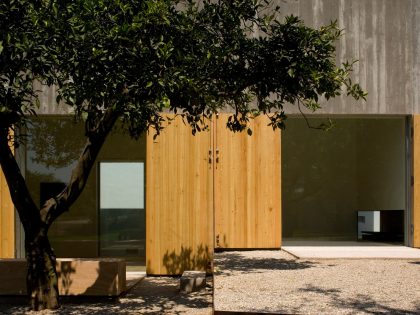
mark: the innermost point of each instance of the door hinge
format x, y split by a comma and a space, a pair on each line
210, 156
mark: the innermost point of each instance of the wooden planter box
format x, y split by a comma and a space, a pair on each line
87, 277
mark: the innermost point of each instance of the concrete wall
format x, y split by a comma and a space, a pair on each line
384, 35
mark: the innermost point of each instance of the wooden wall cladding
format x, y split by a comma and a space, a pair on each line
179, 204
416, 185
247, 191
7, 220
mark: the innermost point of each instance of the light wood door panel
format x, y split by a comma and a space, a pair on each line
179, 201
247, 191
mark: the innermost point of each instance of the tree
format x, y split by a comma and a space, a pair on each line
130, 60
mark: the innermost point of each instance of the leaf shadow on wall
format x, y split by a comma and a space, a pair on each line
188, 259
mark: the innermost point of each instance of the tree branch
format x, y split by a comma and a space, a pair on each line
54, 207
306, 117
28, 211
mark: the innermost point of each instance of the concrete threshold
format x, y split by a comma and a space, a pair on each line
132, 278
353, 252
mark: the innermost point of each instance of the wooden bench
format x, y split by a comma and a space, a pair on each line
87, 277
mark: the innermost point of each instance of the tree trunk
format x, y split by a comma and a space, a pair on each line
42, 280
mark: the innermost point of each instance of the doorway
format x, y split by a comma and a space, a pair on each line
331, 179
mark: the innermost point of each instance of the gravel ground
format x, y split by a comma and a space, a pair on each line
153, 295
274, 281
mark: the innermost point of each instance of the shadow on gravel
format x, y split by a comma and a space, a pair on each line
151, 296
313, 289
361, 303
227, 262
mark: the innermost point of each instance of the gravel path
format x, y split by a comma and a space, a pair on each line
153, 295
274, 281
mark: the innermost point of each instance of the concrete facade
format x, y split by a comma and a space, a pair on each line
383, 35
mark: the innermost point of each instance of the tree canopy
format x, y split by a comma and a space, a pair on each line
132, 60
138, 58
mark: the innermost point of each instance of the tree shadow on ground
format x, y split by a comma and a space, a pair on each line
228, 262
162, 295
361, 303
153, 295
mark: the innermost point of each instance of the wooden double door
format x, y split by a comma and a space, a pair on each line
217, 189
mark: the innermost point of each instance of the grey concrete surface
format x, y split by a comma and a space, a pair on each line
192, 280
383, 35
353, 252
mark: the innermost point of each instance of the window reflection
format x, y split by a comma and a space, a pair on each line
121, 209
53, 147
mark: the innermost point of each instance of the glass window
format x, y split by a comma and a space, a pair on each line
54, 144
122, 229
122, 185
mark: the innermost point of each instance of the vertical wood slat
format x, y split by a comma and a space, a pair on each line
7, 220
416, 184
179, 205
247, 191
